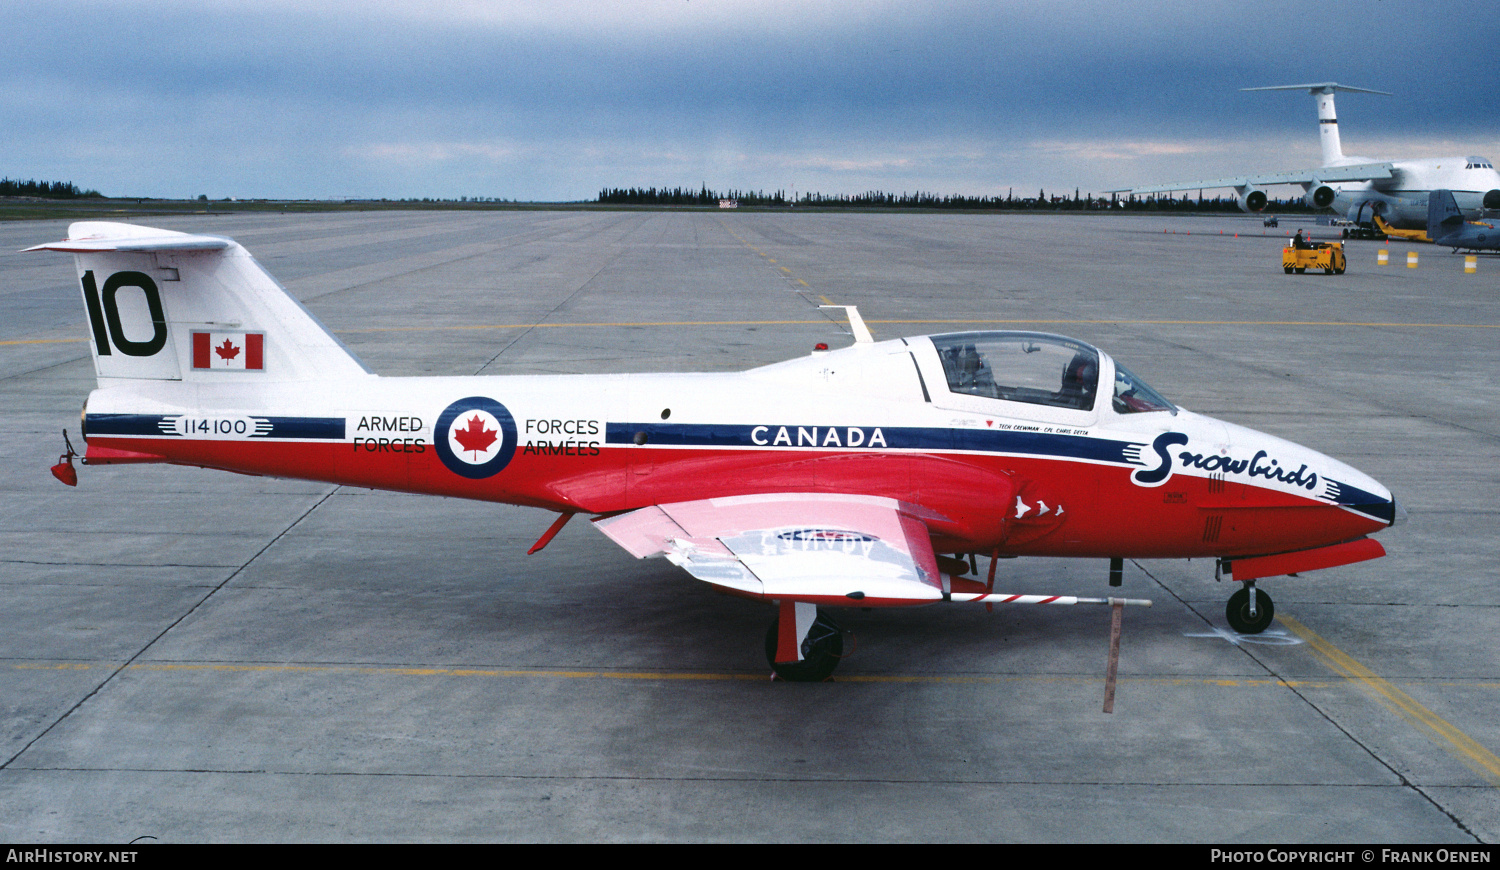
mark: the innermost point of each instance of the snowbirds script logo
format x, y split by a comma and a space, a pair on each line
475, 437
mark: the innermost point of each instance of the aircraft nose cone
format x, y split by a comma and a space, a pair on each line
1398, 512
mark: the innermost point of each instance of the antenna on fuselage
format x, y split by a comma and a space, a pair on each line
1328, 122
856, 324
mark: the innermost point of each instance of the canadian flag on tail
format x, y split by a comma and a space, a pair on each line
245, 351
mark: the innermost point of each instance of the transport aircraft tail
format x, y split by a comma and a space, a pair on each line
169, 306
1328, 121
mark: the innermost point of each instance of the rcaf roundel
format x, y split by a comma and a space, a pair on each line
475, 437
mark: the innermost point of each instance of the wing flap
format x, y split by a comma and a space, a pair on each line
816, 547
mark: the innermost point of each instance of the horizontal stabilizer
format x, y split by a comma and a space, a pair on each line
1320, 88
100, 236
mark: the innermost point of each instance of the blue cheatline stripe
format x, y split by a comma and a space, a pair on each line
895, 437
1365, 502
315, 428
125, 424
325, 428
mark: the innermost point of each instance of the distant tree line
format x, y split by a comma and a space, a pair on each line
46, 189
880, 199
686, 196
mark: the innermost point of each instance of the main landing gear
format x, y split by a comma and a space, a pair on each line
1250, 610
810, 659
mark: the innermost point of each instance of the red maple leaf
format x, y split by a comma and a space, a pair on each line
227, 351
475, 438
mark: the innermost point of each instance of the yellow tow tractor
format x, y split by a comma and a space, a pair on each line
1328, 256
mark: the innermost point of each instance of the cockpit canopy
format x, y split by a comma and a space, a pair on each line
1133, 396
1037, 369
1020, 367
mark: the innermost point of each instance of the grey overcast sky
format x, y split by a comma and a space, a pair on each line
556, 100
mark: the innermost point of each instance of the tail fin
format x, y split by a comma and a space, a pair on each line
1328, 120
165, 305
1443, 216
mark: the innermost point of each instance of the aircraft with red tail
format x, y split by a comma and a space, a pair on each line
831, 480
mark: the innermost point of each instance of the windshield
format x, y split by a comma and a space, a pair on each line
1020, 367
1133, 396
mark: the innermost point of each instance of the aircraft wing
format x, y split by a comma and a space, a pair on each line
1352, 172
812, 547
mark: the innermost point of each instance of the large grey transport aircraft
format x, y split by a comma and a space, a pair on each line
1359, 187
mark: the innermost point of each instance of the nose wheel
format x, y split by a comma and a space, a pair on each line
1250, 610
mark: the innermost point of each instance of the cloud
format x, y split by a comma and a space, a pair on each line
421, 153
554, 100
1131, 150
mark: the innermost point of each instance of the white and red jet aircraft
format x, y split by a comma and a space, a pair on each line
831, 480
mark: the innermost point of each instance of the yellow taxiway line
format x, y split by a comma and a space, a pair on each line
596, 674
1443, 732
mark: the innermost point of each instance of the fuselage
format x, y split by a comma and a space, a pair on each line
1019, 470
1402, 199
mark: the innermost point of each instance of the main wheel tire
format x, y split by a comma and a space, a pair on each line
821, 651
1238, 612
1287, 269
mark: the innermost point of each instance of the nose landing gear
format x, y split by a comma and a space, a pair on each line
1250, 610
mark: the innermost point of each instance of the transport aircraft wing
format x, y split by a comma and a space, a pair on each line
1352, 172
